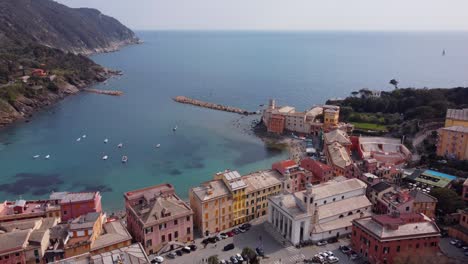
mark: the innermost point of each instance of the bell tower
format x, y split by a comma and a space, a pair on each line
309, 199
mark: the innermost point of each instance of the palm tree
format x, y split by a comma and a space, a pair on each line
394, 83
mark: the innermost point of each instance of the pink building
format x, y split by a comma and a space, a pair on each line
465, 190
158, 218
319, 170
296, 177
27, 209
73, 205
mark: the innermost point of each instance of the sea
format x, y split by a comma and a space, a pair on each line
236, 68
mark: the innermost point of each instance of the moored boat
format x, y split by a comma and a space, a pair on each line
106, 140
105, 157
124, 159
36, 156
47, 156
120, 145
158, 145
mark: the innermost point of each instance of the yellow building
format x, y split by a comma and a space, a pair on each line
231, 199
260, 186
453, 142
331, 115
456, 117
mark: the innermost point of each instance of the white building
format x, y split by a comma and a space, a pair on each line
320, 212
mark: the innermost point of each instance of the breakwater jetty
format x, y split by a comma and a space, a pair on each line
107, 92
186, 100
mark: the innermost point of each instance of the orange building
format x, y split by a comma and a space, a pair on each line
276, 124
453, 142
460, 231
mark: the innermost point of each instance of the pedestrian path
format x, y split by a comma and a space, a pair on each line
292, 249
291, 259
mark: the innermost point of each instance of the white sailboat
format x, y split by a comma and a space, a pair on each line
105, 157
84, 136
124, 159
120, 145
158, 145
36, 156
106, 140
47, 156
78, 139
175, 128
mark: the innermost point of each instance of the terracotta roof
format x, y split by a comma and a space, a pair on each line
381, 186
261, 179
211, 190
420, 197
332, 188
133, 254
65, 197
115, 233
13, 241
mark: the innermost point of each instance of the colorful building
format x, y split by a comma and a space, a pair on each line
338, 158
388, 151
213, 202
424, 203
384, 238
73, 205
320, 172
452, 142
456, 117
83, 231
460, 231
27, 209
293, 176
331, 115
158, 218
465, 190
320, 212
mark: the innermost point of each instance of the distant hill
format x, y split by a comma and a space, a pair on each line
42, 44
77, 30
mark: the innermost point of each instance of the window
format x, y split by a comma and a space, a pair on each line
149, 242
407, 208
398, 249
206, 206
325, 202
188, 218
188, 230
175, 222
176, 234
334, 199
222, 210
206, 215
417, 245
17, 254
65, 212
376, 247
342, 197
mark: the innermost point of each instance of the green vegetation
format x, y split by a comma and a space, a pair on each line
251, 255
213, 259
369, 126
448, 200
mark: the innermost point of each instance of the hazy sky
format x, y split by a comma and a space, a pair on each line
285, 14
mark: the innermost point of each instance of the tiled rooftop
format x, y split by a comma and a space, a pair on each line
337, 135
420, 197
461, 129
84, 221
261, 180
29, 207
210, 190
342, 206
332, 188
338, 155
66, 197
415, 229
458, 114
14, 240
158, 206
133, 254
115, 233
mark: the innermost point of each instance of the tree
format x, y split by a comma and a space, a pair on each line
354, 93
250, 255
213, 259
394, 83
448, 201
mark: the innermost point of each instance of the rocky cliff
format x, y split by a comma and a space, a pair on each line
45, 22
41, 47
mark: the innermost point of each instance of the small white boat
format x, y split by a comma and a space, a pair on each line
78, 139
47, 157
36, 156
84, 136
105, 157
158, 145
120, 145
106, 140
175, 128
124, 159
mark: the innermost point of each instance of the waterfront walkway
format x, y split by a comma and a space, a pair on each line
186, 100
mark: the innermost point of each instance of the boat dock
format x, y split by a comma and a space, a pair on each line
107, 92
186, 100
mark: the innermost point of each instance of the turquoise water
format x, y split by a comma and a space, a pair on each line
242, 69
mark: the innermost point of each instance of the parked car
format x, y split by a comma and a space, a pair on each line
332, 240
234, 260
239, 257
179, 252
459, 244
212, 240
260, 252
345, 249
322, 243
329, 253
229, 247
242, 230
236, 231
186, 249
246, 226
222, 261
171, 255
333, 259
230, 234
157, 259
223, 235
353, 255
454, 241
193, 247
